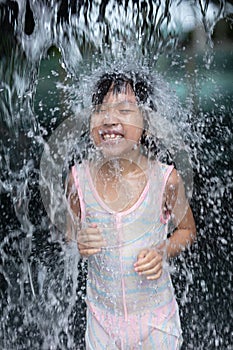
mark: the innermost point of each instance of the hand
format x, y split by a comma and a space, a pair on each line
149, 263
90, 241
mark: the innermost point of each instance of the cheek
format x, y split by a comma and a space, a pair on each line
95, 121
94, 132
133, 133
95, 135
139, 133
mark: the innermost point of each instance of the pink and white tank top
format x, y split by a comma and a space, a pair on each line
112, 283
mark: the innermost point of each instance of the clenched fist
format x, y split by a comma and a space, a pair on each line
90, 241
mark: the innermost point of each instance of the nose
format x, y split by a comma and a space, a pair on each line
110, 118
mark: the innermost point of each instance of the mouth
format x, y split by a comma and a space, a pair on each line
111, 135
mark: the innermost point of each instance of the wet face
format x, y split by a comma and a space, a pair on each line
117, 124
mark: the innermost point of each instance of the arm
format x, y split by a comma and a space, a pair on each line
90, 239
150, 261
181, 215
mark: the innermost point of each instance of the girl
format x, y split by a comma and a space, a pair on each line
123, 200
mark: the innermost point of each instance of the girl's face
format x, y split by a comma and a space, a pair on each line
117, 124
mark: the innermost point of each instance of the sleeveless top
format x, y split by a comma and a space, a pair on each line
112, 285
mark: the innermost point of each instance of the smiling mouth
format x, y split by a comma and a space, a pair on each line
110, 135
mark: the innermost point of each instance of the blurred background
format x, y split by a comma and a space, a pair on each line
46, 46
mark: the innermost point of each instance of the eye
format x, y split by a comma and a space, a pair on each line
125, 111
126, 108
101, 110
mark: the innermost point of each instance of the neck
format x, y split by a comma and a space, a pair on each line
122, 165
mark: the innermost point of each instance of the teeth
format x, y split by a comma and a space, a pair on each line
111, 136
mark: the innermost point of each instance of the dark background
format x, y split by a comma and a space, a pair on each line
36, 287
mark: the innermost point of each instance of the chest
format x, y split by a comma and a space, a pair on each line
120, 192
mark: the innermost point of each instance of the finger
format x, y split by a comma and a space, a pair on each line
90, 230
142, 254
152, 271
148, 260
148, 267
156, 276
90, 234
91, 244
86, 239
89, 252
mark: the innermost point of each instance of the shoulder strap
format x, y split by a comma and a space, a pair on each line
75, 170
166, 171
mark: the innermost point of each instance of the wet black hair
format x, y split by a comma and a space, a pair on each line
140, 85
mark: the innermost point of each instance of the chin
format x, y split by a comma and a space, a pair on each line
110, 151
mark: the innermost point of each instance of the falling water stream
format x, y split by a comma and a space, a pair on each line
51, 52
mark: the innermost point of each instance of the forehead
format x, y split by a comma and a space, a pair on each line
126, 94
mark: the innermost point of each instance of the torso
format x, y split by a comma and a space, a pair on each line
113, 287
125, 233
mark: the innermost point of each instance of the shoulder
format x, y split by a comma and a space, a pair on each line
168, 172
174, 188
77, 170
72, 194
174, 179
174, 182
74, 175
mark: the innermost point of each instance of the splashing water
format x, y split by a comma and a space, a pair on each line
42, 279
